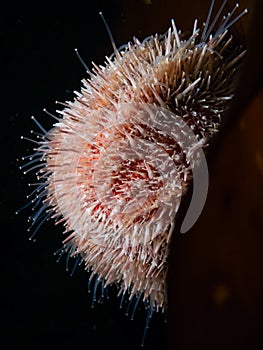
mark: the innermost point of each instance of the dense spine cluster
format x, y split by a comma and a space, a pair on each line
104, 163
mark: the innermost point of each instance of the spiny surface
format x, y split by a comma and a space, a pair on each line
107, 160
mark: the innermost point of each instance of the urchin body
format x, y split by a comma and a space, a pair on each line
96, 177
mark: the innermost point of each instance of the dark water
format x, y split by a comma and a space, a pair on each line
41, 305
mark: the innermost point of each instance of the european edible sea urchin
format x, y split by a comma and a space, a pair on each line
110, 169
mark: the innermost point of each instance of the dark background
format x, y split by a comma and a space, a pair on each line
215, 302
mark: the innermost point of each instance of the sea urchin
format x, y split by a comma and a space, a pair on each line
116, 164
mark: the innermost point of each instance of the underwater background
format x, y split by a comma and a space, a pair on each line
215, 282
